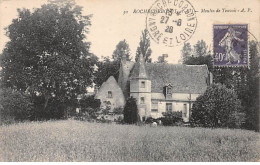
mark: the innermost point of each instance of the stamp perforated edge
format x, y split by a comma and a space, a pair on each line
248, 39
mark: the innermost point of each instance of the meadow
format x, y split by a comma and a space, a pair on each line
71, 140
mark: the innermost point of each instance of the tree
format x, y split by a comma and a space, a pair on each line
186, 52
131, 111
121, 48
106, 68
200, 57
162, 58
200, 48
144, 47
217, 107
200, 60
46, 55
250, 90
14, 106
89, 105
89, 101
245, 81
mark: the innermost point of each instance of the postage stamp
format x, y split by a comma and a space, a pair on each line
230, 45
171, 23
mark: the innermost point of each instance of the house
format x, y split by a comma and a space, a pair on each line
110, 94
157, 87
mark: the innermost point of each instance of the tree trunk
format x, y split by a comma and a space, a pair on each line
46, 101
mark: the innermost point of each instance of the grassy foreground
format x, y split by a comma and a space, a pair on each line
81, 141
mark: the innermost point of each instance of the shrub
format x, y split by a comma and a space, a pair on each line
118, 110
89, 101
217, 107
131, 111
149, 120
171, 118
14, 106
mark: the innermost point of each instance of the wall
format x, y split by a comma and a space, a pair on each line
137, 92
178, 100
176, 106
117, 100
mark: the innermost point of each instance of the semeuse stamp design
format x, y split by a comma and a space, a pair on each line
230, 45
171, 22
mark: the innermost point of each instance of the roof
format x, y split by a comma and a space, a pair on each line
139, 70
183, 78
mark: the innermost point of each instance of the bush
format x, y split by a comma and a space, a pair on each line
14, 106
118, 110
131, 111
149, 120
217, 107
171, 118
89, 101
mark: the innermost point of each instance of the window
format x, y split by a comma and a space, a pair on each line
154, 110
168, 107
154, 106
169, 90
143, 84
142, 100
109, 94
184, 110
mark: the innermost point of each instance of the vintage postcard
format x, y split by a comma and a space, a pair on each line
129, 80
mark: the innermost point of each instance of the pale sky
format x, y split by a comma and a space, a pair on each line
109, 25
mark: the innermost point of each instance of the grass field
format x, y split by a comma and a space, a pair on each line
82, 141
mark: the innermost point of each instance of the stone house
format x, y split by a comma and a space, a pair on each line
110, 94
157, 87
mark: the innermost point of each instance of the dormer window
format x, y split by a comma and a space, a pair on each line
169, 89
142, 84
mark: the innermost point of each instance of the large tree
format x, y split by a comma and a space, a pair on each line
144, 47
121, 48
47, 55
106, 68
200, 48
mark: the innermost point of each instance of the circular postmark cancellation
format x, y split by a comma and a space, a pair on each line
171, 22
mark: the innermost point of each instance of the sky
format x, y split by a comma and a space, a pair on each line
110, 25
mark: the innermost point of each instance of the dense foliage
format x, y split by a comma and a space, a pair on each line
162, 58
14, 106
171, 118
47, 55
144, 47
106, 68
217, 107
89, 101
122, 48
131, 111
243, 80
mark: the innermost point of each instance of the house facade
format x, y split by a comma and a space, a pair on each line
159, 87
110, 94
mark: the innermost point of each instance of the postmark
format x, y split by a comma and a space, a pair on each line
230, 45
171, 22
